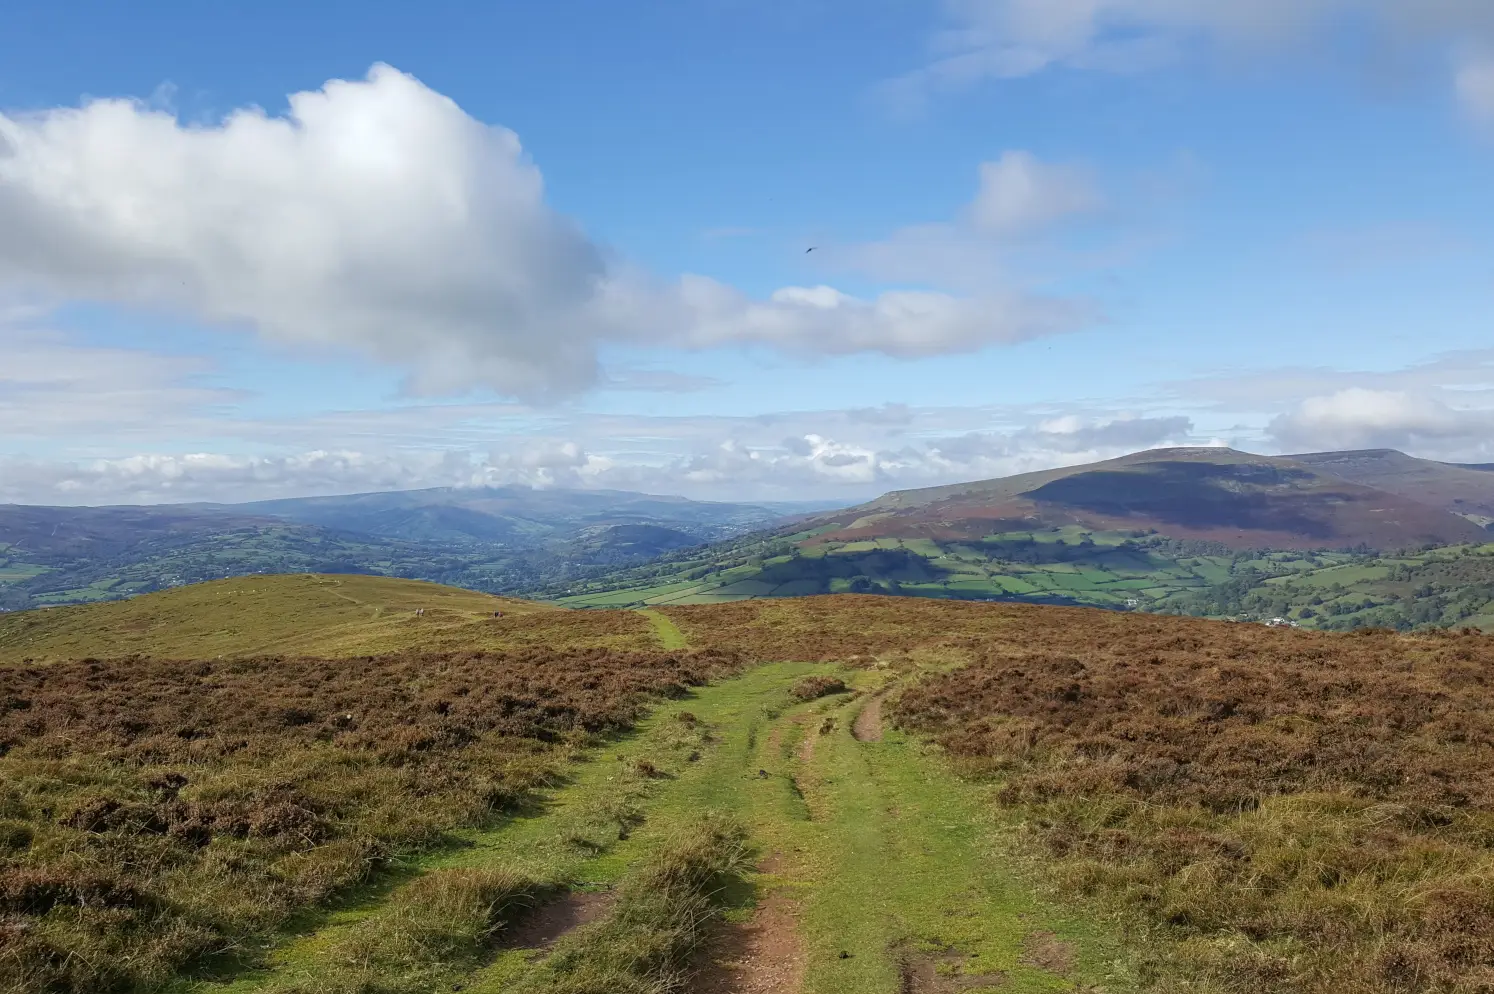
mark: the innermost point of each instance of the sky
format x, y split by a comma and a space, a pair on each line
778, 249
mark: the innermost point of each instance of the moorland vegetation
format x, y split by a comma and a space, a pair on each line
954, 795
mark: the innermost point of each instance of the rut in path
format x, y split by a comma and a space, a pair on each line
868, 727
761, 956
540, 928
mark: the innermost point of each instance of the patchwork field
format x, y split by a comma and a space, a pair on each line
822, 795
1436, 587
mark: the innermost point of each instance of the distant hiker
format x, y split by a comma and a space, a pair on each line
497, 614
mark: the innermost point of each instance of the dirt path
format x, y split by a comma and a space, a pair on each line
806, 744
540, 928
762, 956
868, 727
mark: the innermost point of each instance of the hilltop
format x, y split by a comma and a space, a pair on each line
303, 614
1219, 495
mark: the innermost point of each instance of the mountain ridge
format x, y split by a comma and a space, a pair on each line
1216, 494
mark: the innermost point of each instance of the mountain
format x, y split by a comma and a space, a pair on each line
490, 539
1208, 531
1218, 495
1465, 490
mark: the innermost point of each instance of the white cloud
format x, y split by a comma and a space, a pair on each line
1020, 194
834, 454
1359, 418
1003, 39
378, 215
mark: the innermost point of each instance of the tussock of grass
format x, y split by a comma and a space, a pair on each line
432, 931
662, 912
814, 687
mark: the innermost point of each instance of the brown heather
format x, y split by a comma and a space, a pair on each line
152, 813
1271, 810
1294, 812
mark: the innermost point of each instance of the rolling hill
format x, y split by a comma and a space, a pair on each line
907, 795
331, 616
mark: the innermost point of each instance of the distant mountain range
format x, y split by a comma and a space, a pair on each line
495, 539
1136, 521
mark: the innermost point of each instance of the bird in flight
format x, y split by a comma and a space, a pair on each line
810, 249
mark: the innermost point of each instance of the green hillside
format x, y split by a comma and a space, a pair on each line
1443, 587
301, 614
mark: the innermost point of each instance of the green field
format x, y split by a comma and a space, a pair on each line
1123, 571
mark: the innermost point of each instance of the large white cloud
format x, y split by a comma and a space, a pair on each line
376, 214
987, 39
1359, 418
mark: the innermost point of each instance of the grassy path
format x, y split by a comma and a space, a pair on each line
669, 633
887, 862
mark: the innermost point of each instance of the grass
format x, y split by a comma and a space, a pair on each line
158, 813
1308, 814
433, 931
670, 637
821, 823
1059, 799
309, 615
663, 912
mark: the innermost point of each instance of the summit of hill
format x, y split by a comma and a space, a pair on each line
1219, 495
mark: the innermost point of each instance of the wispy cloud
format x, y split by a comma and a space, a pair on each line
983, 40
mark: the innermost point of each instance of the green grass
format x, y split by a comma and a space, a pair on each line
332, 616
670, 636
887, 854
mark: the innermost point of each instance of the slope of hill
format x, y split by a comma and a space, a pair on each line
333, 616
1466, 490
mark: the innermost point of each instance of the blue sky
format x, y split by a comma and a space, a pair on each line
565, 243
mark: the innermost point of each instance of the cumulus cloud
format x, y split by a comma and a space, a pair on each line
996, 39
377, 215
1359, 418
853, 455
